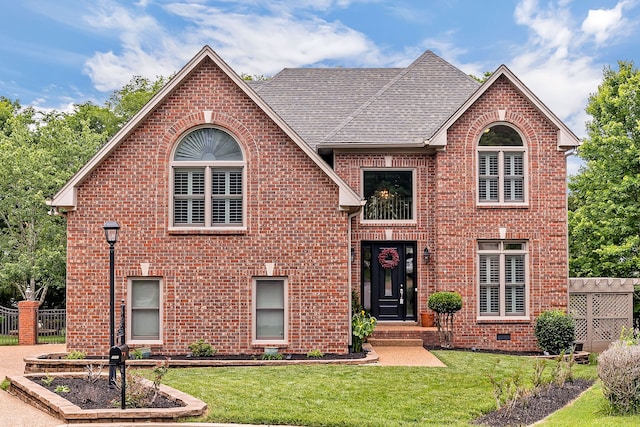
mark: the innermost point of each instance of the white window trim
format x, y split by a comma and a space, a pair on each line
502, 252
130, 340
208, 166
414, 189
501, 150
256, 341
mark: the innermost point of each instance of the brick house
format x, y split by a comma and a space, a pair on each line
250, 210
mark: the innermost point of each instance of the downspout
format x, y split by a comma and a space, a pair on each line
350, 217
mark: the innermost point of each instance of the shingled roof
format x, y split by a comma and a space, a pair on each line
368, 105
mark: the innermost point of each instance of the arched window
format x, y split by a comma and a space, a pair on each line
207, 172
501, 166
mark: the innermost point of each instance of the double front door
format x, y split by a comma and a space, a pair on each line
389, 279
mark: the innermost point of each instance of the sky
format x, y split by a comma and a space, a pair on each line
56, 53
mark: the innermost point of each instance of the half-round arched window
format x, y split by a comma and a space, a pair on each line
207, 171
502, 166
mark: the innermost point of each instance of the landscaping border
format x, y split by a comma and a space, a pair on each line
33, 393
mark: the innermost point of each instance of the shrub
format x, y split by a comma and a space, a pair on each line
362, 325
74, 355
445, 302
201, 348
315, 354
555, 331
619, 371
445, 305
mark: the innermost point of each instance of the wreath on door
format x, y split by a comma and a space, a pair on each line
389, 258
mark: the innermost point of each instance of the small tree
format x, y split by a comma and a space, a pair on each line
445, 305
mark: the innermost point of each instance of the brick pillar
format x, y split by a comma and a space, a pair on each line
28, 322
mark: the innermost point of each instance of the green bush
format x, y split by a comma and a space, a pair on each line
362, 325
555, 332
201, 348
74, 355
619, 371
445, 302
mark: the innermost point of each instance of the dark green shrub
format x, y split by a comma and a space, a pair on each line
555, 331
445, 302
619, 371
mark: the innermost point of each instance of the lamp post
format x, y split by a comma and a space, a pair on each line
111, 234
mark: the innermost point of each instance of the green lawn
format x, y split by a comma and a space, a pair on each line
355, 395
590, 410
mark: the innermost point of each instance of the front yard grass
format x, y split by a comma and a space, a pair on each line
341, 395
590, 410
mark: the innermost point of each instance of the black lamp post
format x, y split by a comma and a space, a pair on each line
111, 234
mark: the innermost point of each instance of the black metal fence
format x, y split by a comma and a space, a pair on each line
8, 326
52, 326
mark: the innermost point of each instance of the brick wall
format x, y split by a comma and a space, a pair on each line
450, 223
292, 220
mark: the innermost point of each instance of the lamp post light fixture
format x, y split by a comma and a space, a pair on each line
111, 234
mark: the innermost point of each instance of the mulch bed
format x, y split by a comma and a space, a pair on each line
96, 395
536, 407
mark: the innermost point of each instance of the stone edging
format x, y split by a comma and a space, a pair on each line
35, 394
41, 365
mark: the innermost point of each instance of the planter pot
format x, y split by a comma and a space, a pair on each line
426, 320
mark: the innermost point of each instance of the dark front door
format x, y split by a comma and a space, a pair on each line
388, 280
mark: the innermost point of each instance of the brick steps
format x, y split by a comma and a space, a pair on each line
404, 334
396, 342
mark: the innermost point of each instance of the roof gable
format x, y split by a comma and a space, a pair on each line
67, 196
390, 106
410, 107
566, 138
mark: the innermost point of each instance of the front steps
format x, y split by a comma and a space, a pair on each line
404, 334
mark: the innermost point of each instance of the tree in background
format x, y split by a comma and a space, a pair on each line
604, 199
39, 152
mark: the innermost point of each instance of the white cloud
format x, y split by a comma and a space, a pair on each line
604, 23
250, 43
558, 61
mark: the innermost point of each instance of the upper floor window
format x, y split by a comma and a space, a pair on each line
389, 195
207, 174
502, 278
501, 166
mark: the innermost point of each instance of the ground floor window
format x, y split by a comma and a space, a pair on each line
502, 279
270, 310
144, 311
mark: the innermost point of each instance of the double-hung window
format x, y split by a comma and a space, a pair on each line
208, 181
389, 195
270, 310
502, 279
501, 167
144, 311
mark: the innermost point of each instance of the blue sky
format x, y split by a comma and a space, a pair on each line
57, 53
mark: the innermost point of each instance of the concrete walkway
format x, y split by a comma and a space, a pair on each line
406, 356
13, 411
